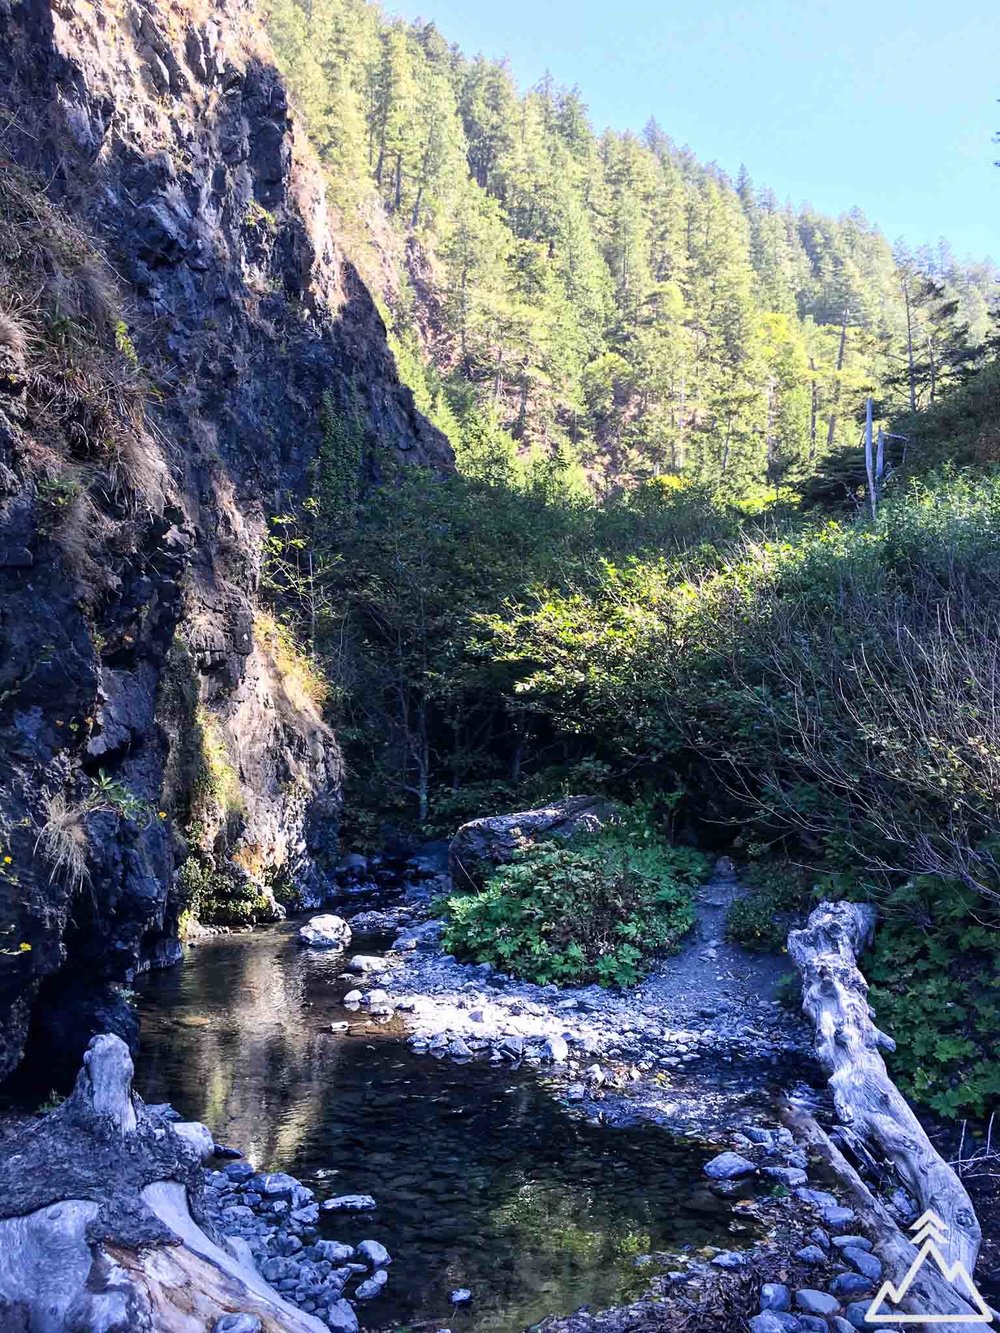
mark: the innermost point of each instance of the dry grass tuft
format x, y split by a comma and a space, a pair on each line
303, 684
63, 842
13, 334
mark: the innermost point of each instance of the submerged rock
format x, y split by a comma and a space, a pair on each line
349, 1203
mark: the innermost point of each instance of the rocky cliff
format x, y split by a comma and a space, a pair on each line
180, 341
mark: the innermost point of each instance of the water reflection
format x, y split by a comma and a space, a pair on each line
482, 1179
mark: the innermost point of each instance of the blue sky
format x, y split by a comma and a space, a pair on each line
889, 105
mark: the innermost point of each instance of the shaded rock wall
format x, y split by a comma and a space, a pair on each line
176, 325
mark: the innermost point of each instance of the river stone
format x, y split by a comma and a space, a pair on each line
332, 1251
850, 1286
730, 1259
810, 1254
325, 932
238, 1323
837, 1216
816, 1302
239, 1171
817, 1198
340, 1318
766, 1323
349, 1203
853, 1242
372, 1287
460, 1296
728, 1166
353, 997
856, 1318
196, 1136
276, 1185
374, 1253
366, 963
775, 1296
789, 1176
482, 844
457, 1049
555, 1049
863, 1261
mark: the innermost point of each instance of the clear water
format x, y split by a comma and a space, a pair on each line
483, 1179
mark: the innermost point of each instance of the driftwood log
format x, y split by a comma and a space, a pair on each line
849, 1045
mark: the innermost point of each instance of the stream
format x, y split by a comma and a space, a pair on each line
483, 1179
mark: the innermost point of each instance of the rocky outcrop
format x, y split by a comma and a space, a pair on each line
183, 349
483, 844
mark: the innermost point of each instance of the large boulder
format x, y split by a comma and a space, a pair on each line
325, 932
482, 844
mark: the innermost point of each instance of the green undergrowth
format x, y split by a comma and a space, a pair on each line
599, 908
935, 986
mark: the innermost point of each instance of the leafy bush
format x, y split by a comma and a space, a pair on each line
596, 909
220, 896
778, 899
935, 987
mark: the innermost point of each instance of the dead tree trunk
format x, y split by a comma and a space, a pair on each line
835, 997
930, 1293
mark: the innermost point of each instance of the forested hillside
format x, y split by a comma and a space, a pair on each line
653, 574
606, 299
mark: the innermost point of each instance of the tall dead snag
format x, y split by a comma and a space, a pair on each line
848, 1044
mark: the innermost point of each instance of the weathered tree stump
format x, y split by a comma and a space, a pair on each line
96, 1227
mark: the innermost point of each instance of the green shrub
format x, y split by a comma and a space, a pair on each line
220, 897
778, 899
598, 909
935, 986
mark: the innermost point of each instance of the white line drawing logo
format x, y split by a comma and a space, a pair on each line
930, 1234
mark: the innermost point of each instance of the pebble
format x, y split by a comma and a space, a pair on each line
353, 997
460, 1296
238, 1323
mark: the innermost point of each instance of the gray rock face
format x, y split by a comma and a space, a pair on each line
161, 137
325, 932
482, 844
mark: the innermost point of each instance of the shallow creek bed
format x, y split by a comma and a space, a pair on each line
528, 1152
